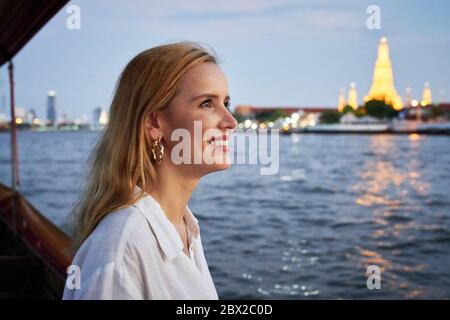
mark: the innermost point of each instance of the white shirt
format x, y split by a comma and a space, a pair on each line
137, 253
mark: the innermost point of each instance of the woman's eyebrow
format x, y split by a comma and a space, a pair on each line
209, 95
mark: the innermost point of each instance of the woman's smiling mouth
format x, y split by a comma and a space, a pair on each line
220, 142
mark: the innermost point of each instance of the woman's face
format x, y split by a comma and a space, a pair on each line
200, 113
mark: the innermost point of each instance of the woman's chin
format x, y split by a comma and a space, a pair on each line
210, 168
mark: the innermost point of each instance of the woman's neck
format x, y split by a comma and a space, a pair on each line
173, 192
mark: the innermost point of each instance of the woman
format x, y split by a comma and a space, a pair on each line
135, 236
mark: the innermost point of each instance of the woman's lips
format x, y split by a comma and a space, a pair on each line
220, 142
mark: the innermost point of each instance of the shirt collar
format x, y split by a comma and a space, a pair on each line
166, 234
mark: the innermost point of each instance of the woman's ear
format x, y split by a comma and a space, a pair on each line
153, 126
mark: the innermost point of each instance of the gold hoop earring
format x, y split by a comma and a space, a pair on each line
157, 151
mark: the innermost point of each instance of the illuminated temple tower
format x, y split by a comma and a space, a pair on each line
353, 96
342, 103
426, 95
383, 79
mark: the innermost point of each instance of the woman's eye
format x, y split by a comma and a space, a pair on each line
206, 104
227, 104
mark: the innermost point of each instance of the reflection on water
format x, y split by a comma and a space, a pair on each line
386, 187
338, 204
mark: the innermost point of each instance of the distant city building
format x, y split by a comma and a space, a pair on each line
21, 115
65, 118
100, 117
103, 118
20, 112
96, 117
51, 107
445, 107
251, 112
408, 96
383, 79
32, 114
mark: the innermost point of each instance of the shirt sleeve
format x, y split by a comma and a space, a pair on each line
110, 282
111, 269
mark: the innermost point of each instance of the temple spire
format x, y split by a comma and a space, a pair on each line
353, 96
383, 79
426, 95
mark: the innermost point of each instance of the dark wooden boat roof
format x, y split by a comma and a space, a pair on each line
20, 20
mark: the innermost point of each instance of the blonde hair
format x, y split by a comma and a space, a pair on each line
121, 159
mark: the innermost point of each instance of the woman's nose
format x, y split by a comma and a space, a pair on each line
228, 121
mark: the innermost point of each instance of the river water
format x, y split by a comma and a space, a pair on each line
338, 204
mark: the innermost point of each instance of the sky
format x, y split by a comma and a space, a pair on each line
273, 52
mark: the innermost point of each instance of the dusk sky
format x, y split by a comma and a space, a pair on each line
274, 53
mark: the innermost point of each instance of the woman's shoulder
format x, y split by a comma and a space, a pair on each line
113, 237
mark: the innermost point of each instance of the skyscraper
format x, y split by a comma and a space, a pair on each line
31, 116
383, 79
96, 116
51, 107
